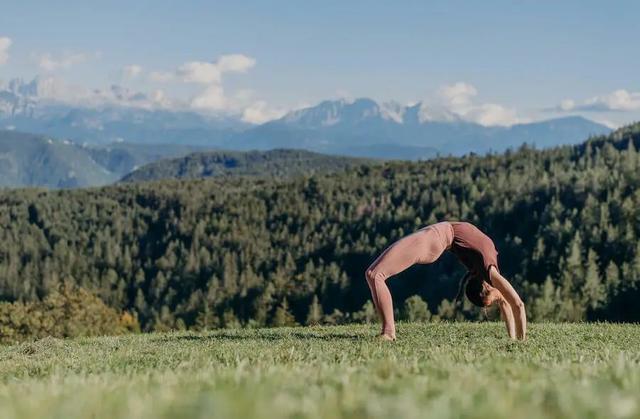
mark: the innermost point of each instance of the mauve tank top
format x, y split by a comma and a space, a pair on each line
474, 249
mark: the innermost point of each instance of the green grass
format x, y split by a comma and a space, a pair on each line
434, 370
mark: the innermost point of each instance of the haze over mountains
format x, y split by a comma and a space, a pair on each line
101, 143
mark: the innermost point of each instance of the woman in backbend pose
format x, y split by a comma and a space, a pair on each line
483, 284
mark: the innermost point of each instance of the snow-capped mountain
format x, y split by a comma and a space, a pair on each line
30, 107
366, 128
361, 127
18, 97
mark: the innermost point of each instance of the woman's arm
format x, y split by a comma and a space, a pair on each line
507, 315
514, 300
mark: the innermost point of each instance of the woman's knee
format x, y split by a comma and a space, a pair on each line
373, 275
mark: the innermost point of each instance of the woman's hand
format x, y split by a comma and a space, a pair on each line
514, 301
507, 316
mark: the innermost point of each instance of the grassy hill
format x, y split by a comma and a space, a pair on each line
445, 370
29, 160
34, 160
274, 163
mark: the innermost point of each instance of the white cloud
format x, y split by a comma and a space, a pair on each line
620, 100
211, 72
567, 105
456, 102
48, 62
159, 98
211, 99
490, 114
211, 96
235, 63
436, 112
458, 95
131, 71
209, 75
199, 72
124, 96
5, 43
259, 112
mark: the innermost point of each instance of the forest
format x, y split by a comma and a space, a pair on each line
278, 163
237, 251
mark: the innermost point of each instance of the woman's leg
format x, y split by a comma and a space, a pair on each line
424, 246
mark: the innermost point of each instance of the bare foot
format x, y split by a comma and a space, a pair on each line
386, 338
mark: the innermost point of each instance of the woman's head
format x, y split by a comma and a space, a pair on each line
481, 293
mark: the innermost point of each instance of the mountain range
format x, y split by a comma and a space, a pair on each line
89, 145
361, 127
366, 128
28, 107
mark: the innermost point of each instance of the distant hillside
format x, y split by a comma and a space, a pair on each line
33, 160
274, 163
28, 160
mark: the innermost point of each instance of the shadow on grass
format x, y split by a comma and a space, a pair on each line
234, 336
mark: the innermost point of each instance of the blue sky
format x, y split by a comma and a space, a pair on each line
531, 59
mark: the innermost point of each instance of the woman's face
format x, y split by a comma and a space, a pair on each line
493, 296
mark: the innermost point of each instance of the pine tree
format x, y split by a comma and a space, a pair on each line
572, 270
545, 306
263, 306
283, 316
206, 319
315, 314
230, 320
416, 310
447, 310
593, 292
367, 313
612, 279
634, 274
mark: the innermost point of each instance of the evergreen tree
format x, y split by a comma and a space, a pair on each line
315, 314
367, 313
545, 306
593, 291
283, 316
612, 279
416, 310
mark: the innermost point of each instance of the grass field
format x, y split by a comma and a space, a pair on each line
434, 370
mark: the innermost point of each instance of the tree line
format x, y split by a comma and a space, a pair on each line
246, 251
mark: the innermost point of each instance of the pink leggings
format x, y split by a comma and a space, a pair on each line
424, 246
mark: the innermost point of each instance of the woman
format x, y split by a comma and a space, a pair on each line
483, 284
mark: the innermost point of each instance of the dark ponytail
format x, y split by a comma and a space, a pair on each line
474, 289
